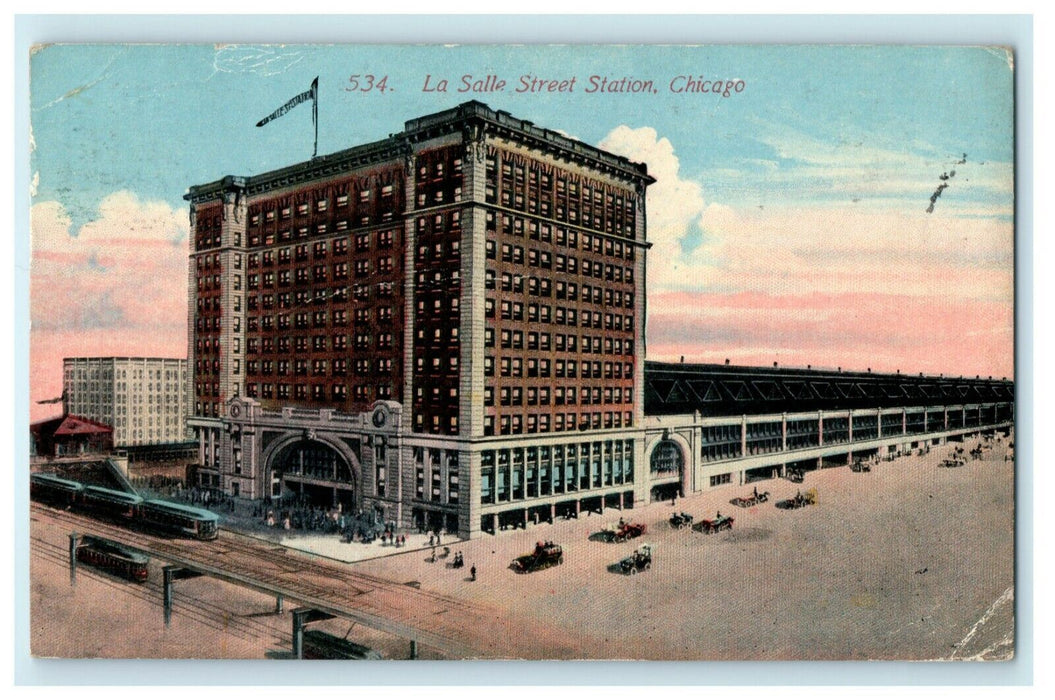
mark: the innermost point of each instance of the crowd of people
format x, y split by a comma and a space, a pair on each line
294, 513
172, 488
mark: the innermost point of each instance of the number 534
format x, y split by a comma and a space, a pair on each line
366, 83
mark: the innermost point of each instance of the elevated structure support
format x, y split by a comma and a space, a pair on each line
301, 618
74, 539
171, 575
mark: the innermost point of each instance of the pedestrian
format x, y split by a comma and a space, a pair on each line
432, 540
472, 573
673, 499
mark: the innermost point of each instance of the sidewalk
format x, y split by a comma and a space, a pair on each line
244, 518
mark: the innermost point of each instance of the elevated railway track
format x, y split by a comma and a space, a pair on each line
455, 627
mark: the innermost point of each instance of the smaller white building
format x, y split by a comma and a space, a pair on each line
145, 399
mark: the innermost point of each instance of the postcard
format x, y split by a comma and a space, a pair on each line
457, 352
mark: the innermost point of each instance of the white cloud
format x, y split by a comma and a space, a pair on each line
126, 268
794, 247
853, 165
673, 204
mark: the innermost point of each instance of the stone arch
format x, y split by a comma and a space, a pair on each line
339, 448
684, 449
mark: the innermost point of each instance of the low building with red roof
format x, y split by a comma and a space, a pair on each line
70, 435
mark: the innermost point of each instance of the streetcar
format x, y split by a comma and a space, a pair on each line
49, 488
116, 505
321, 645
112, 557
179, 519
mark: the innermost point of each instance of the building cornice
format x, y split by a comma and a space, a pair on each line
473, 119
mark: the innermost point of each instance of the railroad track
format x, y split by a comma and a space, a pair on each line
446, 623
197, 609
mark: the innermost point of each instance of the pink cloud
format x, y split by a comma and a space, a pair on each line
118, 286
853, 330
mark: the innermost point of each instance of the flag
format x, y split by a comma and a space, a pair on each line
311, 93
58, 399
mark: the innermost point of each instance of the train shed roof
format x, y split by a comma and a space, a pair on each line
723, 390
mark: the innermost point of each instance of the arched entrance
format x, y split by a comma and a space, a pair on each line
314, 472
666, 466
666, 459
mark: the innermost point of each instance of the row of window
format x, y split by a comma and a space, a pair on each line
510, 367
318, 343
442, 250
528, 185
386, 217
544, 287
543, 313
560, 236
322, 295
436, 424
438, 304
321, 318
338, 367
543, 340
540, 396
512, 309
440, 335
440, 222
430, 170
517, 424
320, 273
208, 303
108, 386
429, 468
207, 227
362, 393
569, 264
340, 198
589, 344
364, 242
541, 367
723, 442
521, 473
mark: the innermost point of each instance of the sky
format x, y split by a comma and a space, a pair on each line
789, 219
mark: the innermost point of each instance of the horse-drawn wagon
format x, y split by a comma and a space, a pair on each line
680, 520
623, 531
546, 554
717, 524
753, 500
640, 560
799, 500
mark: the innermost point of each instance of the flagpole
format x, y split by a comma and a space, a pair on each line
315, 116
312, 94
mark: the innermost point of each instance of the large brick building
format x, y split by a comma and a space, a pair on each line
447, 327
419, 324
